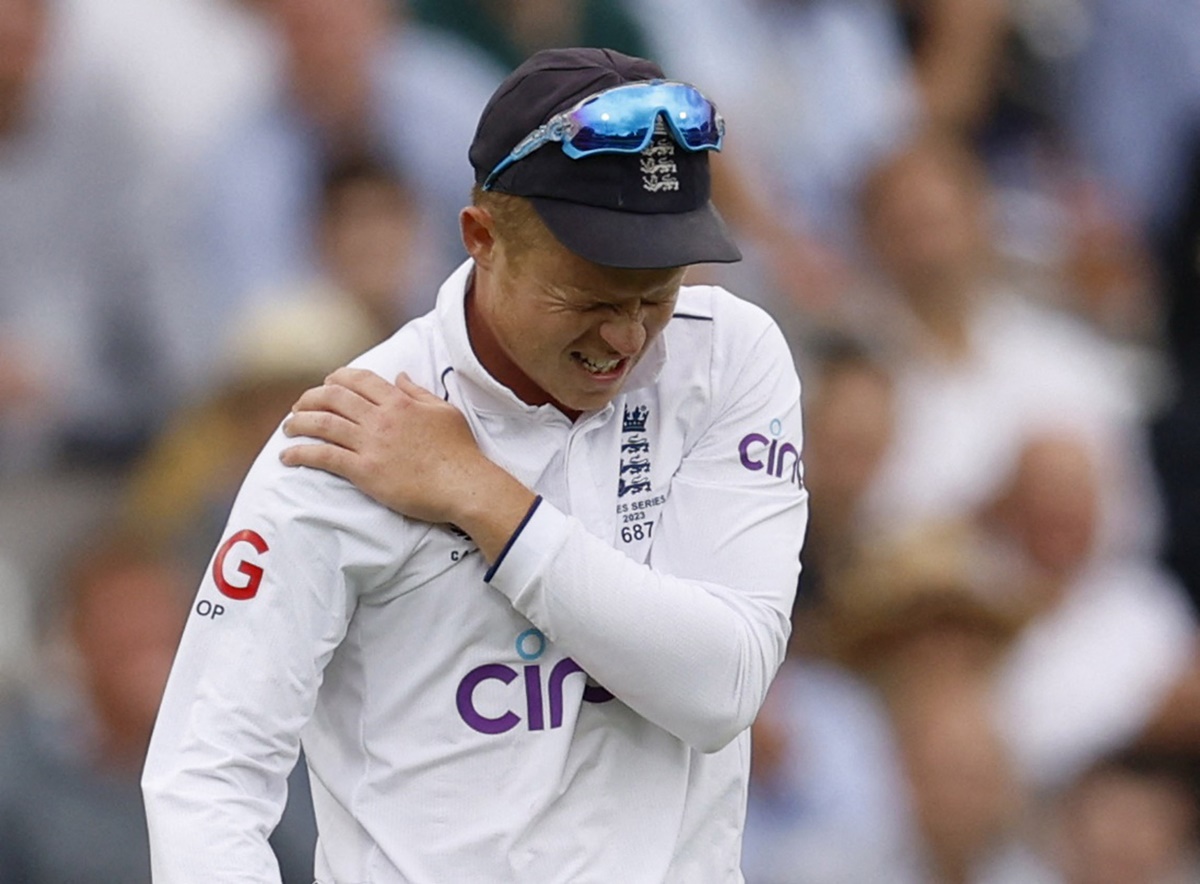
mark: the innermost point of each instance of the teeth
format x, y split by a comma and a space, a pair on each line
598, 366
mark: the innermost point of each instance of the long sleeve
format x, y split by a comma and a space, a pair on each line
272, 608
692, 639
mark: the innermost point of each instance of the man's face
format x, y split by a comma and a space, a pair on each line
367, 232
127, 626
574, 328
927, 221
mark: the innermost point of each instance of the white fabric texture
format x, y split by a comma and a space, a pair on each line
1085, 678
960, 426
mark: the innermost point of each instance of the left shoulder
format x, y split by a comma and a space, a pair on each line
722, 352
729, 322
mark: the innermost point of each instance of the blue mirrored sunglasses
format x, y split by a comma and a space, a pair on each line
622, 120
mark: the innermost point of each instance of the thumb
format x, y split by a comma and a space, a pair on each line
412, 388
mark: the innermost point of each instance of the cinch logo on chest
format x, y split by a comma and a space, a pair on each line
538, 687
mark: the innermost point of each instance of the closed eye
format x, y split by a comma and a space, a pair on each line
631, 307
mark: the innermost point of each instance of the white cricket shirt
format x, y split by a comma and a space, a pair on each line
577, 712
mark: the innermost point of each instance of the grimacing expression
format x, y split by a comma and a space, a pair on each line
577, 329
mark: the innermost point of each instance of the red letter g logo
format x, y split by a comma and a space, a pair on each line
253, 573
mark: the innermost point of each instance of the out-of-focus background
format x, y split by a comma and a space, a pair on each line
978, 222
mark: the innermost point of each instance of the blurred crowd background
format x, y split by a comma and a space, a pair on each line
978, 222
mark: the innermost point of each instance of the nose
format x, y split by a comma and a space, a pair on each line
626, 334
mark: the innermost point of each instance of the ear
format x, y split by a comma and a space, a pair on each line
478, 235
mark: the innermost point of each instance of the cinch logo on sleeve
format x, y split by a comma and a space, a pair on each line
530, 697
778, 458
246, 587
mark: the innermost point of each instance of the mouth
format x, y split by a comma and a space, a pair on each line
602, 369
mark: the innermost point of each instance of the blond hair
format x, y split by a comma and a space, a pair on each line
516, 223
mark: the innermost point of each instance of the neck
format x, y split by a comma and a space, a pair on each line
493, 357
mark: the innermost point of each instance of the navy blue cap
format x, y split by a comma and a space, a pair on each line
619, 210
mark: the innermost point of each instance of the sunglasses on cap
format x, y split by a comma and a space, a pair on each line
622, 120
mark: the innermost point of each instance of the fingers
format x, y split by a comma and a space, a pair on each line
405, 383
338, 398
329, 458
352, 391
366, 384
325, 425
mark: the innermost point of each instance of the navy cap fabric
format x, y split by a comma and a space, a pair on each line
645, 210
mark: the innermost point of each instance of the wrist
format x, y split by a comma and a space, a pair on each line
493, 510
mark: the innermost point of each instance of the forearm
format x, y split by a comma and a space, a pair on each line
205, 840
214, 784
695, 658
958, 60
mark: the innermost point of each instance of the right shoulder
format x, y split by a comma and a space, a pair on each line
320, 520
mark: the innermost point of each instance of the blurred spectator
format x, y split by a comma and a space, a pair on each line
1100, 266
1129, 819
16, 627
367, 240
69, 801
848, 421
1112, 636
957, 51
925, 618
971, 808
42, 514
980, 367
217, 53
996, 72
1001, 74
72, 748
356, 79
828, 803
1135, 103
935, 597
180, 492
512, 30
96, 330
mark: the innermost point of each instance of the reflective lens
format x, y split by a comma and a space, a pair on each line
623, 120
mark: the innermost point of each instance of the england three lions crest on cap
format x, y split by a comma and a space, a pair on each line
659, 171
